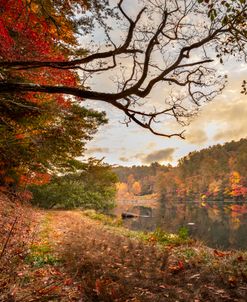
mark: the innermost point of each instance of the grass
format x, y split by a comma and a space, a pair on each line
165, 238
105, 219
103, 261
41, 253
158, 236
166, 265
230, 266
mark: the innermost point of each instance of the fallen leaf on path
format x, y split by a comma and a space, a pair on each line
176, 268
68, 281
195, 276
232, 280
220, 254
164, 286
240, 258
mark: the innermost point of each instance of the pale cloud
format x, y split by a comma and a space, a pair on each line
139, 155
232, 121
197, 136
151, 145
124, 159
223, 120
159, 156
97, 150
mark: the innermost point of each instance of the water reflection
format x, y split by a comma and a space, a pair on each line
218, 224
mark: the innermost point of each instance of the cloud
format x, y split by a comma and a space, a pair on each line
139, 155
232, 121
159, 156
223, 120
97, 150
196, 136
124, 159
151, 145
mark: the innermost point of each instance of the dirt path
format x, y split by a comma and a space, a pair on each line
110, 267
79, 259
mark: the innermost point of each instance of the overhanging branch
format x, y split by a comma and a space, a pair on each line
140, 47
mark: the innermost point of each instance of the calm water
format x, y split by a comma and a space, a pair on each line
218, 224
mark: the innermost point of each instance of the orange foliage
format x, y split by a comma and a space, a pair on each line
35, 178
136, 188
236, 188
27, 33
8, 180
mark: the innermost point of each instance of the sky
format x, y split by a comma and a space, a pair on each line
222, 120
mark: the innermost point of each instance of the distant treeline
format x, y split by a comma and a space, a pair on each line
218, 172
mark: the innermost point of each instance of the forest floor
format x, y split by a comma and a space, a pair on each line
67, 256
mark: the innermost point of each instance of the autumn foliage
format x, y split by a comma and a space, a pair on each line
216, 173
39, 133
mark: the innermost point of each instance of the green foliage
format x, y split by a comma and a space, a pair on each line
92, 188
46, 141
216, 173
40, 255
183, 233
165, 238
105, 219
210, 172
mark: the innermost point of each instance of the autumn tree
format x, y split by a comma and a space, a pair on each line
166, 44
211, 173
91, 187
136, 188
122, 190
40, 133
214, 173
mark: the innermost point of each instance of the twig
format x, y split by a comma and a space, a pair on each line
39, 291
8, 238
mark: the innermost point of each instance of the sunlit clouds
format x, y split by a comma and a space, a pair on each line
97, 150
165, 155
222, 120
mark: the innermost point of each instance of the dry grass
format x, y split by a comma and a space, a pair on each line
74, 258
15, 236
112, 267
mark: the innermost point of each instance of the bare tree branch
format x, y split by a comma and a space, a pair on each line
74, 64
167, 43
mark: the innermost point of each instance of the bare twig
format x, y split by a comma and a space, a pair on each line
8, 238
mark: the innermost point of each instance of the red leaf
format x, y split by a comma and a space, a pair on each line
68, 281
177, 268
220, 254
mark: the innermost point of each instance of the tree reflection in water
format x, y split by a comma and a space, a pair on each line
217, 224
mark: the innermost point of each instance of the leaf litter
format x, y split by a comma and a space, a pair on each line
65, 256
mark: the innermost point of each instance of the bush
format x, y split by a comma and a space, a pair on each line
90, 189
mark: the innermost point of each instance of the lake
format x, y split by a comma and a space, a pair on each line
218, 224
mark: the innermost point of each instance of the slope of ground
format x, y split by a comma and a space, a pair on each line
75, 258
17, 228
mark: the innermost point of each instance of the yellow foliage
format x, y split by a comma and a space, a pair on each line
203, 197
34, 7
60, 26
136, 188
235, 177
